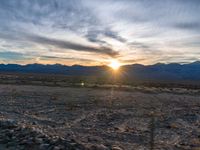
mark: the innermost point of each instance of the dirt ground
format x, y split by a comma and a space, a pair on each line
107, 118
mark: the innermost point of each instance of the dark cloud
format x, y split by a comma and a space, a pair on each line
92, 36
114, 35
131, 61
188, 26
70, 45
30, 39
65, 58
139, 45
95, 36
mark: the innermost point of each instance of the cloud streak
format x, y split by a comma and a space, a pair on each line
195, 26
73, 46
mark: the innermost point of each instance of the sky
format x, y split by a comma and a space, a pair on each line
94, 32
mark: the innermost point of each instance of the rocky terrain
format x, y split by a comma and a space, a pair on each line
59, 118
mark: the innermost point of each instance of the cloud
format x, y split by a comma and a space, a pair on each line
114, 35
188, 26
103, 29
73, 46
11, 55
140, 45
65, 58
130, 61
95, 36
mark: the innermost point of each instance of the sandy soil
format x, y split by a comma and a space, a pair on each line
106, 118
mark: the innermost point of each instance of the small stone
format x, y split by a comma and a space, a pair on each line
56, 148
43, 146
9, 144
116, 148
24, 142
39, 140
34, 123
8, 124
99, 147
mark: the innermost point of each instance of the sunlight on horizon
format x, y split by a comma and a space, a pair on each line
114, 64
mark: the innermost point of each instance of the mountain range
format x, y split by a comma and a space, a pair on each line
159, 71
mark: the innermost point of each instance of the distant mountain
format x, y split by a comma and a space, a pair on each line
164, 72
53, 69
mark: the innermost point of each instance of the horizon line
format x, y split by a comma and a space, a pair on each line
198, 61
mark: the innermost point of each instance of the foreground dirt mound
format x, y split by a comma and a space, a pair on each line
14, 136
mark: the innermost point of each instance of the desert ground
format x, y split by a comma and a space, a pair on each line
77, 118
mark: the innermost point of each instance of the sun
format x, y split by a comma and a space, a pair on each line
114, 64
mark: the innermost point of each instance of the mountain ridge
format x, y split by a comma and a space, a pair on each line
159, 71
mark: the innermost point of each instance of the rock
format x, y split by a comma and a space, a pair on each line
29, 141
44, 146
116, 148
10, 144
24, 142
39, 140
34, 123
99, 147
8, 124
56, 148
94, 139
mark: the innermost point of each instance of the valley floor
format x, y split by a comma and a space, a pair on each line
53, 118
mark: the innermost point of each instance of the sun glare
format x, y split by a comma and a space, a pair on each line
114, 64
